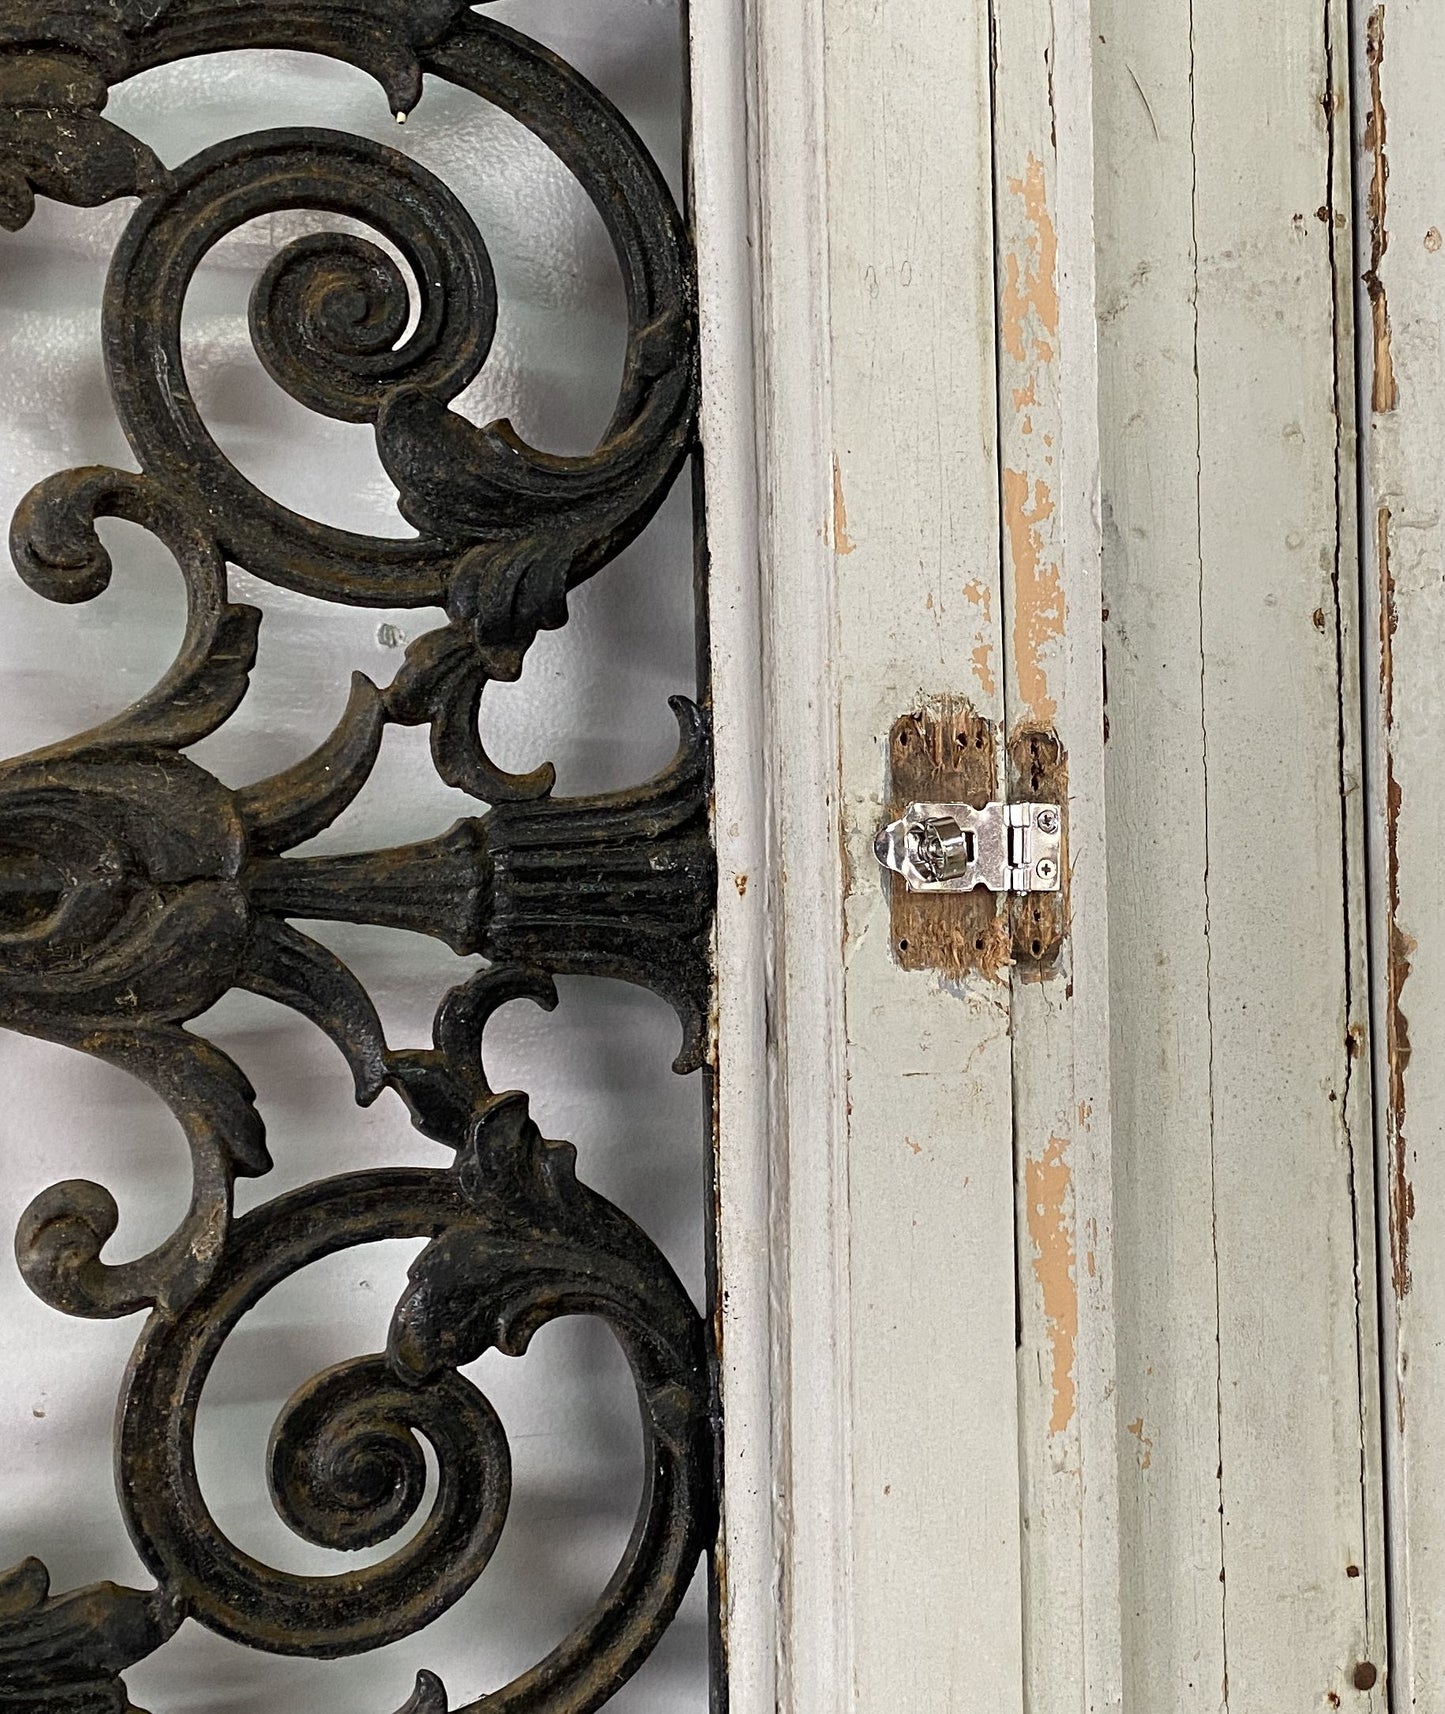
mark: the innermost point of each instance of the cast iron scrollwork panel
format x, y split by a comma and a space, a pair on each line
136, 889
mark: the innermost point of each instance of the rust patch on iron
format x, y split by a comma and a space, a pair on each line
1399, 945
1385, 392
1039, 773
945, 753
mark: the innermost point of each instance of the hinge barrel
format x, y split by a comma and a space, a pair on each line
955, 847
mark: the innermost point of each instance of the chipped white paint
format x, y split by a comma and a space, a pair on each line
744, 1231
1400, 139
1219, 1356
902, 1409
1048, 437
935, 1533
1165, 1498
891, 1198
1251, 1545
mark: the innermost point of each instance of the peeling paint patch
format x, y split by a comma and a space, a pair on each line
1146, 1445
1031, 280
1038, 618
843, 543
981, 595
1400, 946
1385, 392
1028, 338
944, 752
1049, 1184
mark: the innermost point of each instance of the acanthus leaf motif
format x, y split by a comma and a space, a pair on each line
136, 888
68, 1651
56, 66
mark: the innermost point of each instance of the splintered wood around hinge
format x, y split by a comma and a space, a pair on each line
945, 753
1039, 773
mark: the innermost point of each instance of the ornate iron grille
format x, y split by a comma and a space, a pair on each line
136, 889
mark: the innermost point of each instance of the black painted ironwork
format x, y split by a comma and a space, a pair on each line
136, 889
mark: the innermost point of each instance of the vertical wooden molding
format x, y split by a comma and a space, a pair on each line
1252, 1542
1399, 57
1048, 477
799, 985
746, 1234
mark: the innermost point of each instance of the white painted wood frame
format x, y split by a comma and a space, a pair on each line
915, 1182
1251, 1506
1051, 1331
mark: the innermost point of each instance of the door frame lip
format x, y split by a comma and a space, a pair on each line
780, 1116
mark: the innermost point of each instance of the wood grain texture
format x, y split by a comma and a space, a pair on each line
1399, 138
1252, 1534
1167, 1496
803, 1066
914, 530
1048, 478
743, 1213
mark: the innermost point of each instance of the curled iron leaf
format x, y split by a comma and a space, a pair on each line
446, 1086
441, 685
55, 68
136, 889
429, 1697
71, 156
62, 1233
296, 805
66, 1651
58, 551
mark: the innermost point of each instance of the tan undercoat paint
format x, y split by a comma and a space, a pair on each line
981, 595
1031, 280
1050, 1189
1038, 618
1029, 327
842, 542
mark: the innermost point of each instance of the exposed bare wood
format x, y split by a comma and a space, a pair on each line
1048, 458
1400, 57
945, 753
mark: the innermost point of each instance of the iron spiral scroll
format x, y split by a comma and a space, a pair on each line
136, 889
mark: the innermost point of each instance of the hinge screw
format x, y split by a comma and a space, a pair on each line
1047, 869
1047, 821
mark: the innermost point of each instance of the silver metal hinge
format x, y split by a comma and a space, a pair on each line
954, 847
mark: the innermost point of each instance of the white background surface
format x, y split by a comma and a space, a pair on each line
593, 699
